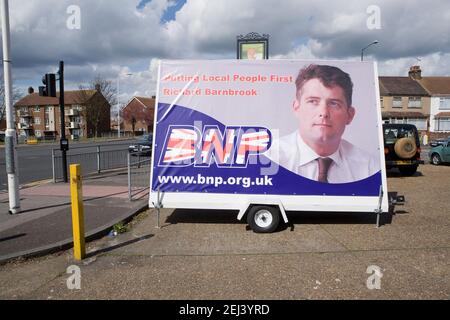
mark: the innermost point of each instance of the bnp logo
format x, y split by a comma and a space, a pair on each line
185, 146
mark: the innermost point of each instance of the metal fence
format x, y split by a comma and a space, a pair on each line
93, 159
97, 160
139, 169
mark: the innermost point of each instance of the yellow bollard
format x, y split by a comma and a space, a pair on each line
77, 212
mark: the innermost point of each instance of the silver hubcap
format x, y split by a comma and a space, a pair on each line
263, 218
435, 160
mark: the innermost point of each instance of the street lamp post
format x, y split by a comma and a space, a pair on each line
11, 160
118, 103
362, 50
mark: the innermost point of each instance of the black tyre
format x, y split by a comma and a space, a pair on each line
263, 219
408, 170
435, 159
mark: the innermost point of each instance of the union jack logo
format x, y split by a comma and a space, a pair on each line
181, 145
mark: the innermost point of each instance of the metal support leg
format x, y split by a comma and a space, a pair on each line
378, 220
158, 209
379, 210
158, 206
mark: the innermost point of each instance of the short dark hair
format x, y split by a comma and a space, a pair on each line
329, 76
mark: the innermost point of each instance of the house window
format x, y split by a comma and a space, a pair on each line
420, 123
398, 120
442, 124
444, 104
415, 102
397, 102
37, 109
37, 120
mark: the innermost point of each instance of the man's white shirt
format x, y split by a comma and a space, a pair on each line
349, 162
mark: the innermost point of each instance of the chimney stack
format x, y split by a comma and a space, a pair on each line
415, 73
30, 90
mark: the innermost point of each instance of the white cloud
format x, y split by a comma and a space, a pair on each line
433, 64
301, 52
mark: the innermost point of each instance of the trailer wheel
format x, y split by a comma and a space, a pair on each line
263, 219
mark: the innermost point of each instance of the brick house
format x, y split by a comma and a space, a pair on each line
404, 100
40, 116
138, 115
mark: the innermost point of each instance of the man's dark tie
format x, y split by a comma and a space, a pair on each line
324, 165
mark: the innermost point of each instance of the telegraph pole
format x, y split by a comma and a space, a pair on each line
12, 166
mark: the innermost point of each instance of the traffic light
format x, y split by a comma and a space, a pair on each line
50, 85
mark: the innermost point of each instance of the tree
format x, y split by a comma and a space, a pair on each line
16, 96
97, 98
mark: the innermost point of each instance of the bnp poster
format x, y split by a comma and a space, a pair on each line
278, 127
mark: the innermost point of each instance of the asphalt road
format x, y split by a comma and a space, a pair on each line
35, 162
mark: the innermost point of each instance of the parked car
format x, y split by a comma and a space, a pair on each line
439, 142
402, 148
440, 153
142, 146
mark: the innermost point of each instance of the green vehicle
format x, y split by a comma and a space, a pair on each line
440, 153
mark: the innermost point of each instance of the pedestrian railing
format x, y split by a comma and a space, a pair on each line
93, 159
139, 169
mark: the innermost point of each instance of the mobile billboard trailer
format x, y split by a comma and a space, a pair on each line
267, 137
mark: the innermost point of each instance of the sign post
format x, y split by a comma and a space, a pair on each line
253, 46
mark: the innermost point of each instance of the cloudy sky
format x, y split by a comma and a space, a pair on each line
124, 39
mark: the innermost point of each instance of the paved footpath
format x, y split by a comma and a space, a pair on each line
45, 223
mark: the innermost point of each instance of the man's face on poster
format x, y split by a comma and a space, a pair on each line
322, 112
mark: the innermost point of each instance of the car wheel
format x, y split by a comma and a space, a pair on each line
405, 148
435, 159
408, 170
263, 219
